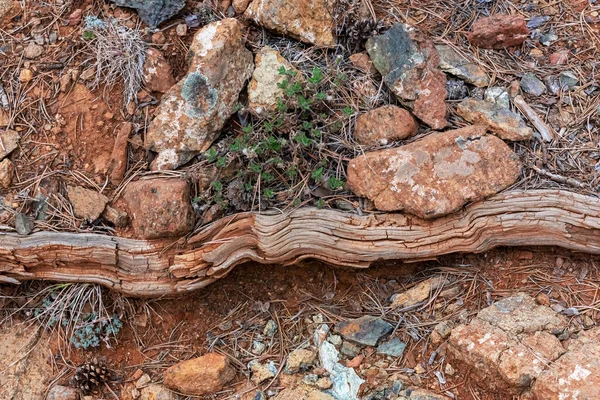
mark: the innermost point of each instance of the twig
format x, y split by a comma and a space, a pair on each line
547, 133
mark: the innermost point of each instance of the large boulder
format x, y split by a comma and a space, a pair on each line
199, 376
193, 112
436, 175
153, 12
309, 21
409, 63
159, 207
500, 120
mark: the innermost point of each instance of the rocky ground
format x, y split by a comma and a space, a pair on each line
152, 119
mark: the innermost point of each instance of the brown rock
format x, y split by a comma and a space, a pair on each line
159, 207
383, 125
309, 21
560, 57
25, 75
193, 112
75, 17
87, 204
199, 376
240, 6
436, 175
116, 217
159, 38
7, 170
299, 359
158, 74
59, 392
157, 392
8, 10
4, 118
500, 120
363, 62
498, 31
118, 158
9, 140
302, 392
419, 292
408, 62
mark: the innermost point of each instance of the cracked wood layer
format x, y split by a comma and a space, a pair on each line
166, 267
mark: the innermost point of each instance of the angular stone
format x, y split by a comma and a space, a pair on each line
87, 204
303, 392
455, 64
199, 376
497, 95
158, 74
7, 170
262, 372
365, 330
159, 207
394, 348
300, 360
193, 112
384, 125
532, 85
409, 63
157, 392
501, 121
9, 141
363, 62
118, 158
309, 21
263, 90
521, 314
240, 5
498, 31
436, 175
418, 293
153, 12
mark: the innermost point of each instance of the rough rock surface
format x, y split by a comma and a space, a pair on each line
192, 114
532, 85
303, 392
409, 63
59, 392
24, 362
508, 345
363, 62
158, 74
365, 330
9, 141
159, 207
498, 31
263, 90
383, 125
87, 204
418, 293
7, 170
8, 9
309, 21
118, 158
500, 120
436, 175
153, 12
202, 375
455, 64
157, 392
299, 359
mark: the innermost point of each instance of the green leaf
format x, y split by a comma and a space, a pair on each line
317, 174
348, 110
247, 129
221, 162
218, 186
316, 76
88, 35
302, 139
335, 183
268, 193
320, 96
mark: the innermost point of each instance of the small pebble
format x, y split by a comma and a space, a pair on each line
181, 30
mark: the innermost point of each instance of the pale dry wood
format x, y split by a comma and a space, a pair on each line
545, 131
156, 268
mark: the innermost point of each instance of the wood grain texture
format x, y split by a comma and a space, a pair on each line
166, 267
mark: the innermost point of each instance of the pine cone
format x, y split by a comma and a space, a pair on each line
90, 376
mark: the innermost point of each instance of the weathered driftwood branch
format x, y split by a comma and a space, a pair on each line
155, 268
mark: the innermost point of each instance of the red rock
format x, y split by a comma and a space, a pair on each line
363, 62
498, 31
159, 38
118, 159
158, 74
383, 125
560, 57
75, 17
159, 207
87, 204
199, 376
436, 175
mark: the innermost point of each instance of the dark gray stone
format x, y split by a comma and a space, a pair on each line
153, 12
23, 224
393, 347
532, 85
568, 80
365, 330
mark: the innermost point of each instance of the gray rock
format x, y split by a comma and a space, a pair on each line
393, 347
497, 95
349, 349
270, 328
365, 330
9, 140
548, 39
33, 50
568, 80
23, 224
537, 21
153, 12
552, 84
455, 64
501, 121
532, 85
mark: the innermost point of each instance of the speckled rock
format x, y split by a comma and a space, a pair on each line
455, 64
409, 63
157, 392
303, 392
532, 85
59, 392
263, 90
384, 125
87, 204
9, 141
498, 31
367, 330
299, 360
199, 376
158, 75
159, 207
153, 12
500, 120
7, 170
193, 112
436, 175
309, 21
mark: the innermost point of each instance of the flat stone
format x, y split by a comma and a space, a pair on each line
300, 360
532, 85
309, 21
118, 157
158, 74
263, 89
436, 175
159, 207
7, 170
349, 349
498, 31
567, 80
59, 392
33, 50
501, 121
455, 64
199, 376
193, 112
497, 95
384, 125
367, 330
303, 392
363, 62
9, 141
153, 12
155, 391
394, 348
87, 204
409, 63
420, 292
261, 372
